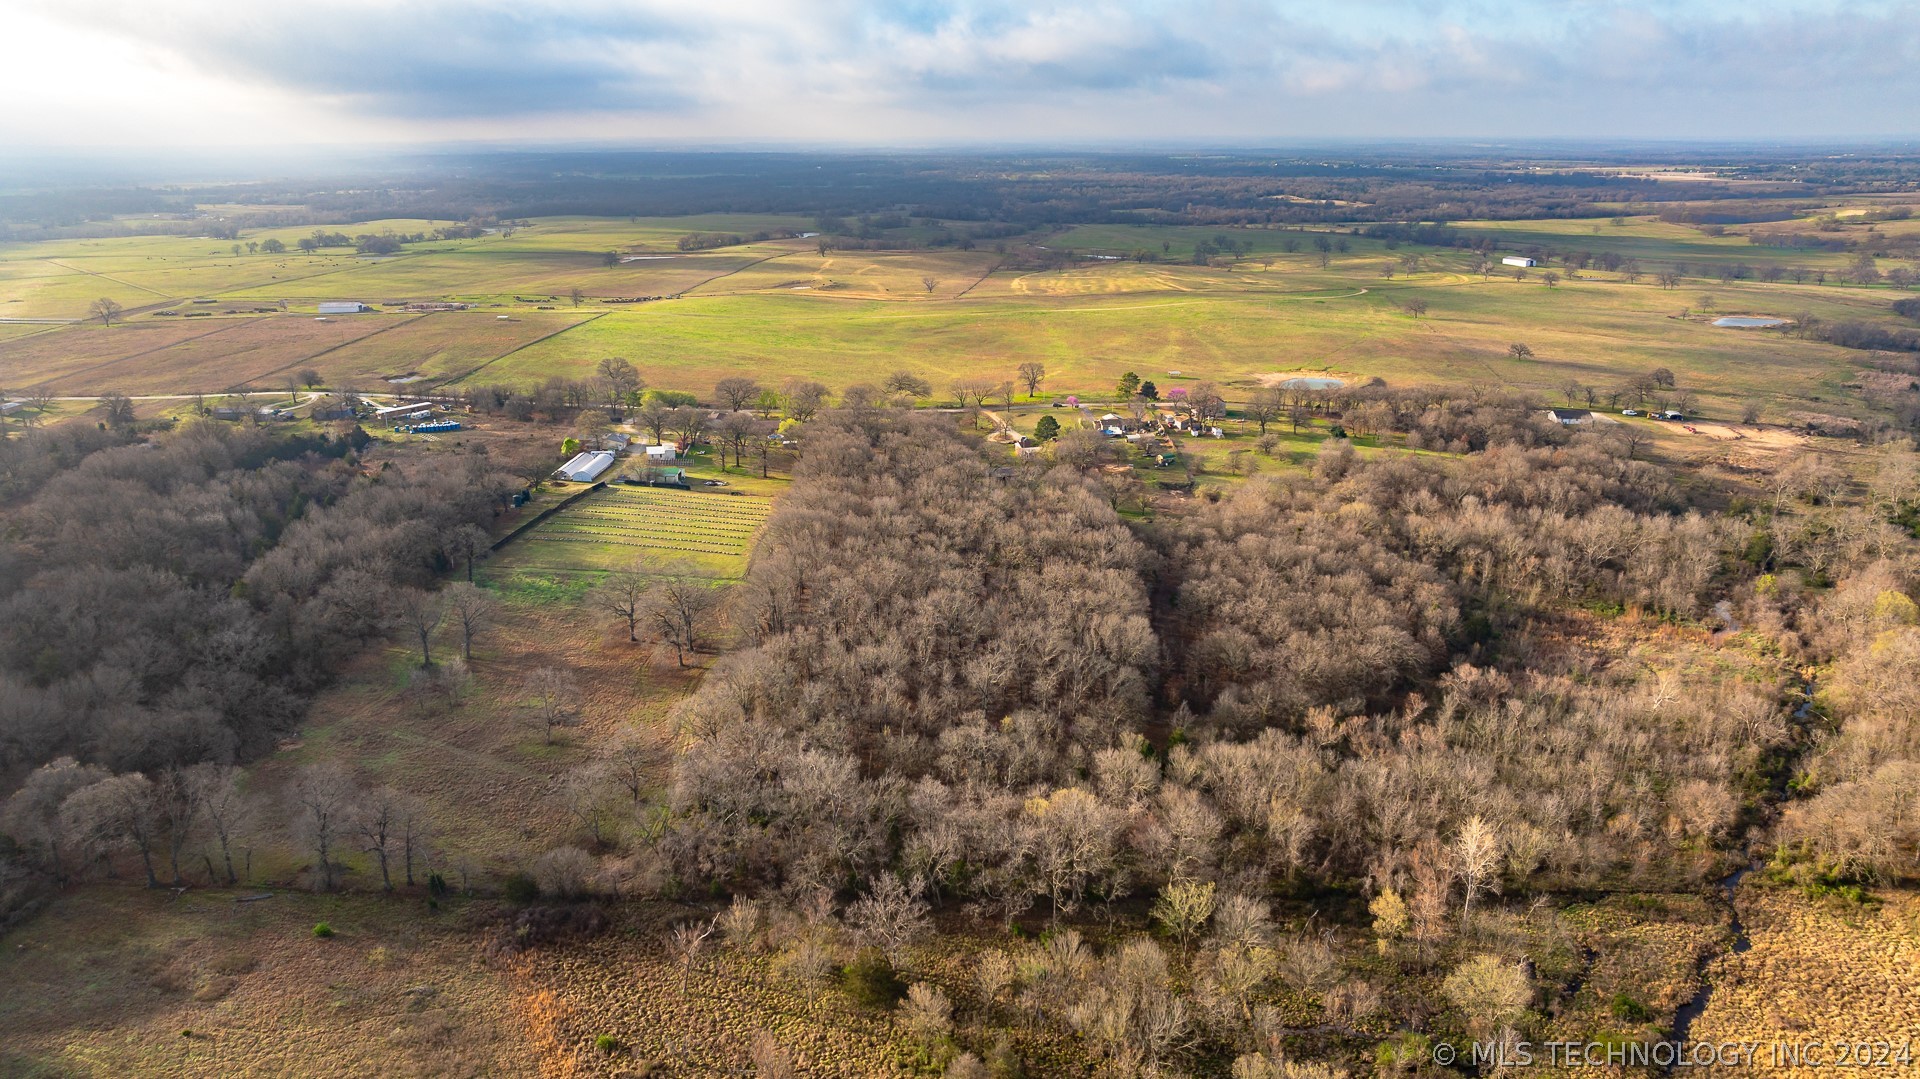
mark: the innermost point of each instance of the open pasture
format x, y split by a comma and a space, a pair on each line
178, 356
780, 307
442, 345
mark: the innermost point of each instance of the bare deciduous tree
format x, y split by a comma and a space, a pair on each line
473, 609
552, 694
623, 594
687, 943
106, 309
1032, 373
676, 611
420, 611
324, 799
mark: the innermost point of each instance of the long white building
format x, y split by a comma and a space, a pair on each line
587, 467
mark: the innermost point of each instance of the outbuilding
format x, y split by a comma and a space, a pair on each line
662, 452
1571, 417
586, 467
343, 307
1518, 260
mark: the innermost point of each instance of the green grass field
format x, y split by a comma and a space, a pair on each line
781, 307
619, 526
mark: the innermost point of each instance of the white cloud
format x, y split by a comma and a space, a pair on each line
296, 71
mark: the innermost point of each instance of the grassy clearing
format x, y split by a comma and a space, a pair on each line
1818, 969
121, 981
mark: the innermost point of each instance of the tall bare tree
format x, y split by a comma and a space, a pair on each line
624, 595
106, 309
464, 544
552, 696
420, 611
736, 392
324, 800
473, 609
1032, 373
676, 612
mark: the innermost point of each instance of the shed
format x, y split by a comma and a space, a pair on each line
1570, 416
8, 408
403, 409
343, 307
1518, 260
586, 467
662, 452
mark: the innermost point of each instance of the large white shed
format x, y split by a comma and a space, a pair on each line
587, 467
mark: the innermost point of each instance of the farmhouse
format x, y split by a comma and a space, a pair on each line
586, 467
1518, 260
343, 307
1571, 417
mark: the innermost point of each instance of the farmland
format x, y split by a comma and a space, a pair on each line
844, 317
1394, 718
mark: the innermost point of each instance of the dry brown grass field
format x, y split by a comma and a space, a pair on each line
1820, 970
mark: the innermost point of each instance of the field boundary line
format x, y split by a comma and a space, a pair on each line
991, 270
748, 266
139, 355
472, 371
333, 348
115, 280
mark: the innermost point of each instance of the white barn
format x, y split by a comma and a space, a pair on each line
1518, 260
587, 467
343, 307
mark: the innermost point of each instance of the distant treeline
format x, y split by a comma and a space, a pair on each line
1028, 191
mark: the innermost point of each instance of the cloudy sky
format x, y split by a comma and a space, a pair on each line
100, 73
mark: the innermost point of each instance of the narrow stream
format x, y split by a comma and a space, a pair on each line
1684, 1017
1692, 1009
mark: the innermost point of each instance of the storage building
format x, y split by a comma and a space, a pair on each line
586, 467
1518, 260
343, 307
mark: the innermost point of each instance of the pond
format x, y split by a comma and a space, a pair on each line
1748, 322
1308, 382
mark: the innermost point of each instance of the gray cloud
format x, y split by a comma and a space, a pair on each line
996, 68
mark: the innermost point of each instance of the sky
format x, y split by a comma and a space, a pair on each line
94, 74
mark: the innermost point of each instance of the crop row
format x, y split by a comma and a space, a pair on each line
618, 541
658, 498
646, 533
644, 515
740, 534
671, 512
